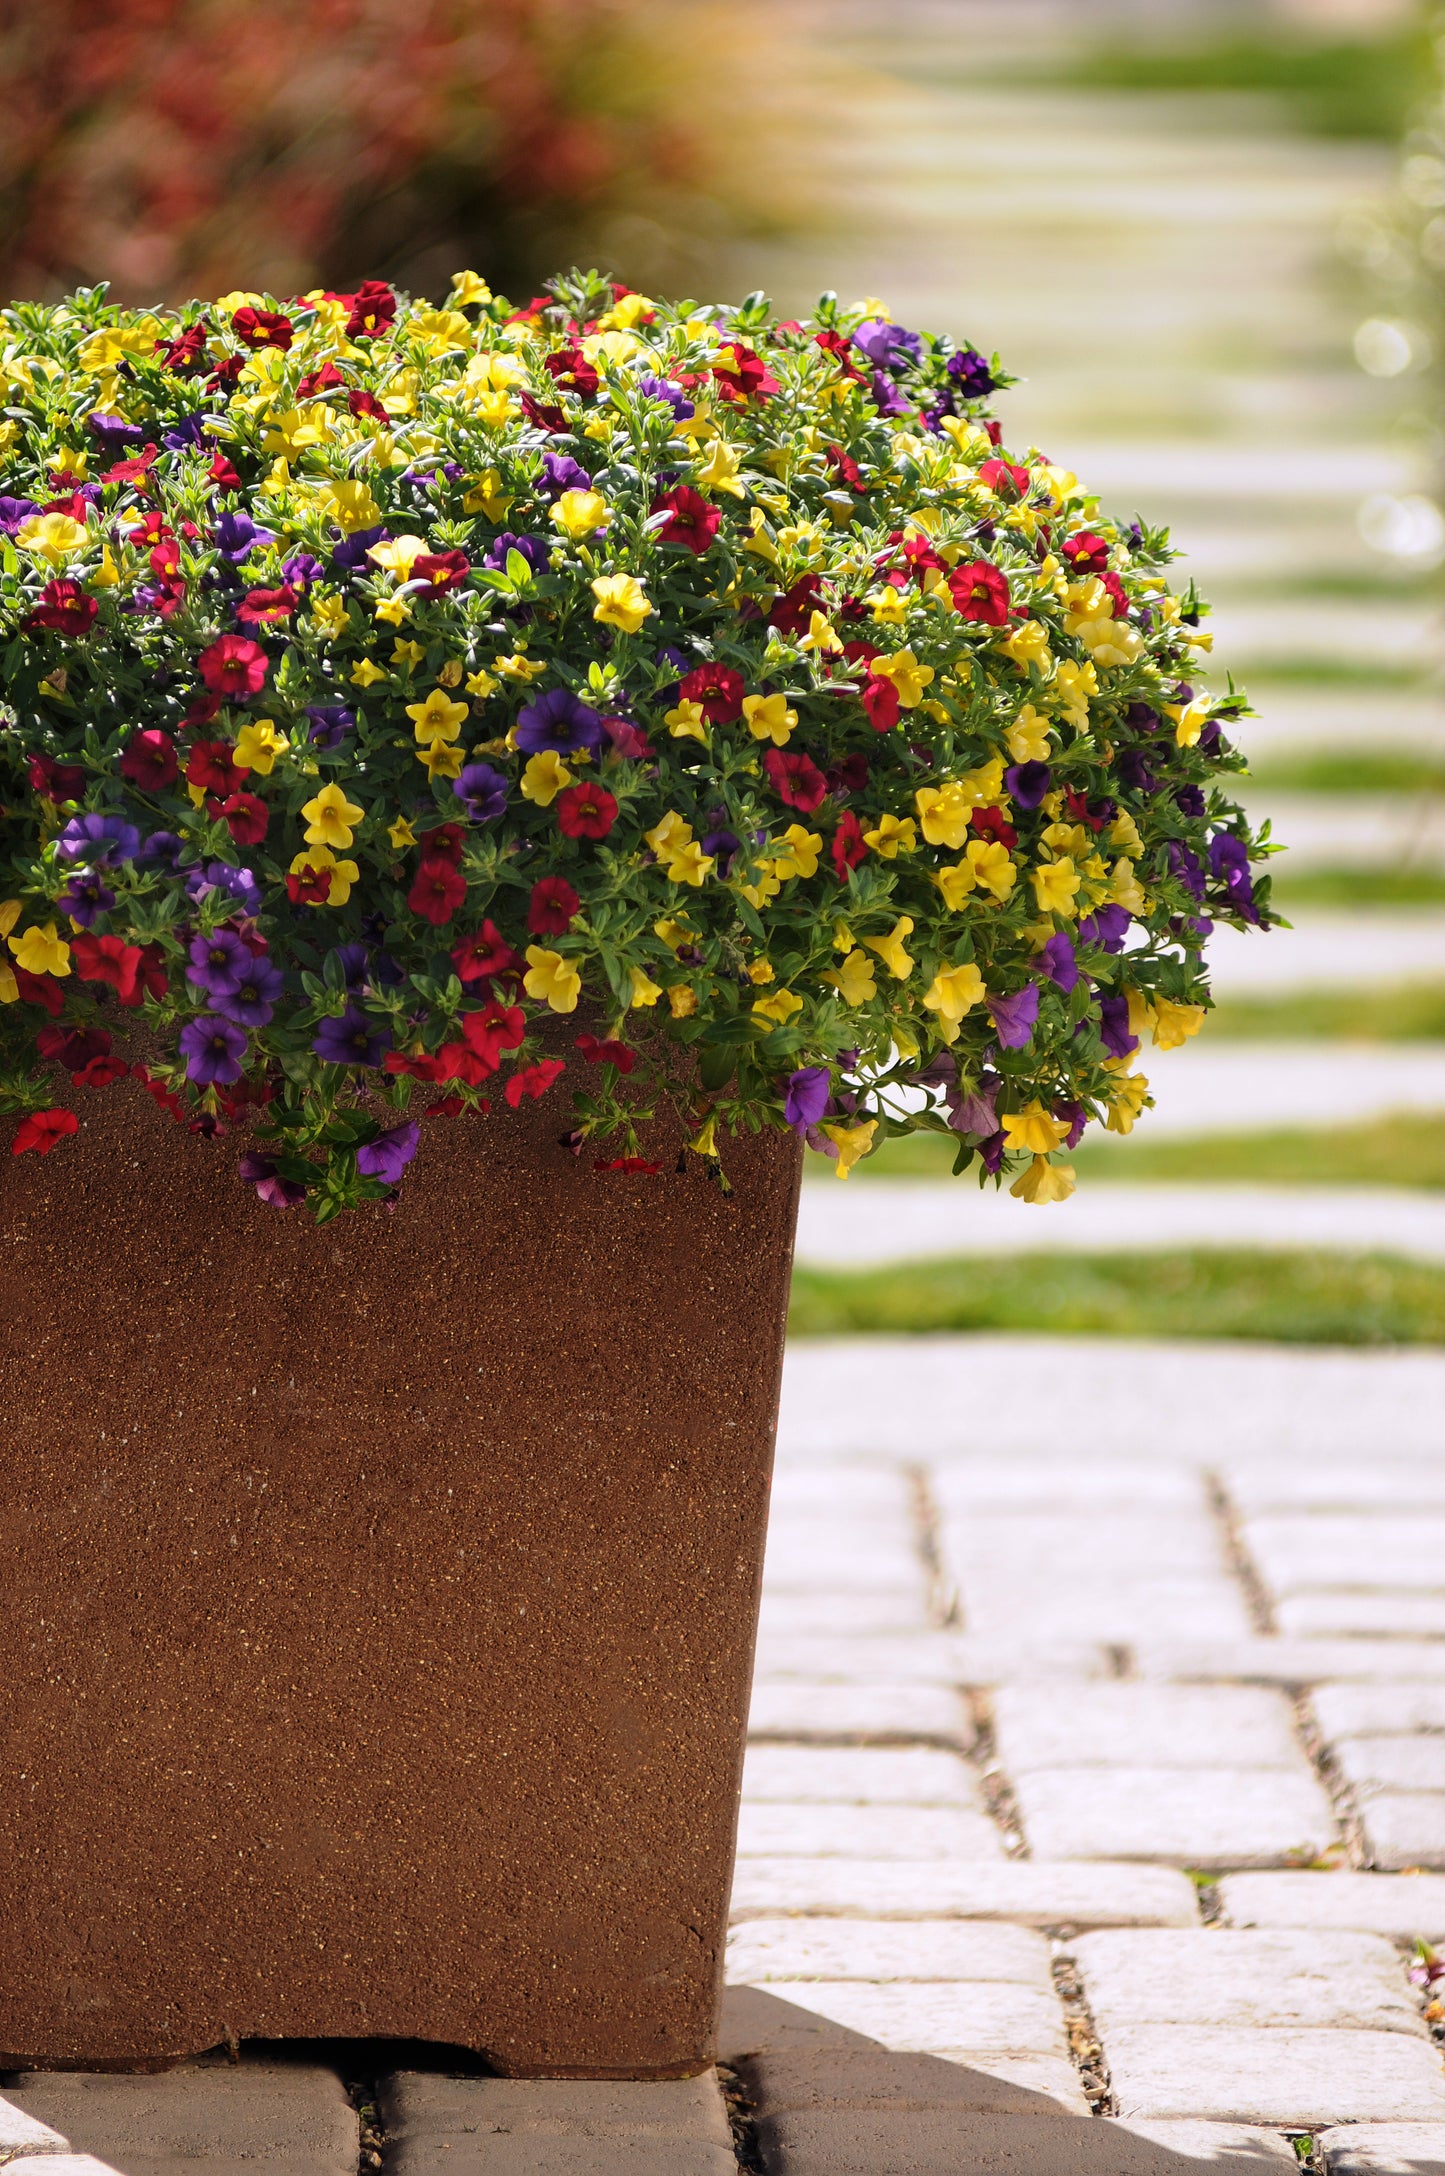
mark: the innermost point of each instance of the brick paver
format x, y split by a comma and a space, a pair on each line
1385, 2149
293, 2116
1217, 1976
439, 2126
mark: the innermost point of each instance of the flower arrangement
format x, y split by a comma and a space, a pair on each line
409, 706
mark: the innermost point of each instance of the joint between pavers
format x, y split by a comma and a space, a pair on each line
1331, 1778
1086, 2048
1247, 1575
945, 1609
998, 1793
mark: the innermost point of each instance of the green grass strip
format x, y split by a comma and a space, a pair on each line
1289, 1298
1341, 770
1402, 1012
1355, 888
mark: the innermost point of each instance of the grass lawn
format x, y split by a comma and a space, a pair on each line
1355, 888
1403, 1012
1406, 1149
1290, 1298
1342, 770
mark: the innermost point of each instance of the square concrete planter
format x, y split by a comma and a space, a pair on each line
379, 1599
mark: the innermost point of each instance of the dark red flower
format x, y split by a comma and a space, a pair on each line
64, 609
484, 954
246, 816
42, 990
980, 592
607, 1053
445, 843
438, 889
794, 608
570, 367
260, 607
692, 520
41, 1130
149, 759
991, 823
1087, 553
131, 471
226, 374
211, 765
847, 848
323, 379
1005, 477
551, 906
308, 886
224, 473
362, 403
262, 328
638, 1164
492, 1030
373, 311
1118, 595
796, 779
234, 666
840, 347
544, 415
846, 469
73, 1047
849, 774
741, 374
1077, 805
444, 570
100, 1072
533, 1080
186, 352
718, 688
108, 959
57, 781
880, 700
587, 811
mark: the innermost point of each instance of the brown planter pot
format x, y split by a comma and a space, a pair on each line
379, 1599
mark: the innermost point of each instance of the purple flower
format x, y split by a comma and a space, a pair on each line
1114, 1026
1077, 1118
213, 1049
1229, 865
84, 898
559, 473
1189, 801
663, 389
219, 876
1184, 864
724, 846
534, 549
977, 1111
330, 724
1027, 783
99, 839
482, 792
886, 397
1135, 771
807, 1097
163, 846
991, 1152
302, 571
887, 347
559, 723
972, 373
1108, 926
260, 1171
114, 434
14, 513
352, 1040
1142, 718
353, 960
236, 537
1056, 960
218, 962
253, 1000
350, 553
185, 433
1014, 1017
389, 1154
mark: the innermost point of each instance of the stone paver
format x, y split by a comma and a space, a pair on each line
1156, 1726
770, 1831
1190, 1817
1394, 1763
1026, 1891
804, 1708
958, 2017
1289, 1661
291, 2115
1362, 1711
828, 1775
1333, 1610
1347, 1549
886, 1949
1385, 2149
438, 2126
831, 1612
1405, 1828
1228, 1977
1403, 1906
1227, 2149
22, 2133
1234, 2074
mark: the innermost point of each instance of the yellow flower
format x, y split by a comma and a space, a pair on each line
761, 973
1189, 719
893, 835
443, 759
986, 864
343, 873
821, 636
366, 673
682, 1000
687, 864
803, 849
52, 536
1125, 889
668, 834
779, 1005
544, 778
854, 980
1055, 886
1173, 1023
467, 288
438, 718
852, 1144
332, 818
399, 555
1131, 1093
686, 721
42, 951
354, 507
408, 654
1073, 685
1033, 1128
890, 950
621, 602
704, 1141
719, 472
944, 812
480, 684
769, 718
10, 913
553, 978
257, 746
1028, 645
401, 834
890, 607
953, 992
580, 512
644, 990
487, 497
328, 615
1110, 641
1044, 1181
518, 667
673, 932
909, 678
1028, 736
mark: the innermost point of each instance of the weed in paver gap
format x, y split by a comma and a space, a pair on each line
362, 2093
1211, 1904
1427, 1974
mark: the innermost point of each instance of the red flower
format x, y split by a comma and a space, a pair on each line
1087, 553
544, 415
628, 740
211, 765
1005, 477
112, 960
626, 1163
131, 471
980, 592
373, 310
718, 688
73, 1047
846, 469
608, 1053
437, 891
991, 823
234, 666
570, 367
261, 606
444, 570
42, 990
165, 559
691, 520
533, 1080
551, 906
224, 473
796, 779
587, 811
41, 1130
149, 759
308, 886
324, 379
449, 1107
246, 816
1078, 807
880, 700
840, 347
1110, 582
847, 849
100, 1072
63, 606
57, 781
743, 375
848, 775
226, 374
492, 1030
794, 607
185, 354
157, 1089
483, 955
445, 843
262, 328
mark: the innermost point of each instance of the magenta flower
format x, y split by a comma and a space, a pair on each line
214, 1050
260, 1171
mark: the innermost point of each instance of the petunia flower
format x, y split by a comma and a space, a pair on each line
216, 964
252, 1001
353, 1040
260, 1171
558, 723
98, 840
213, 1049
1014, 1018
806, 1099
1056, 960
482, 792
388, 1155
40, 1130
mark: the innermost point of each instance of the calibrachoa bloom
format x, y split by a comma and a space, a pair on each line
719, 688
